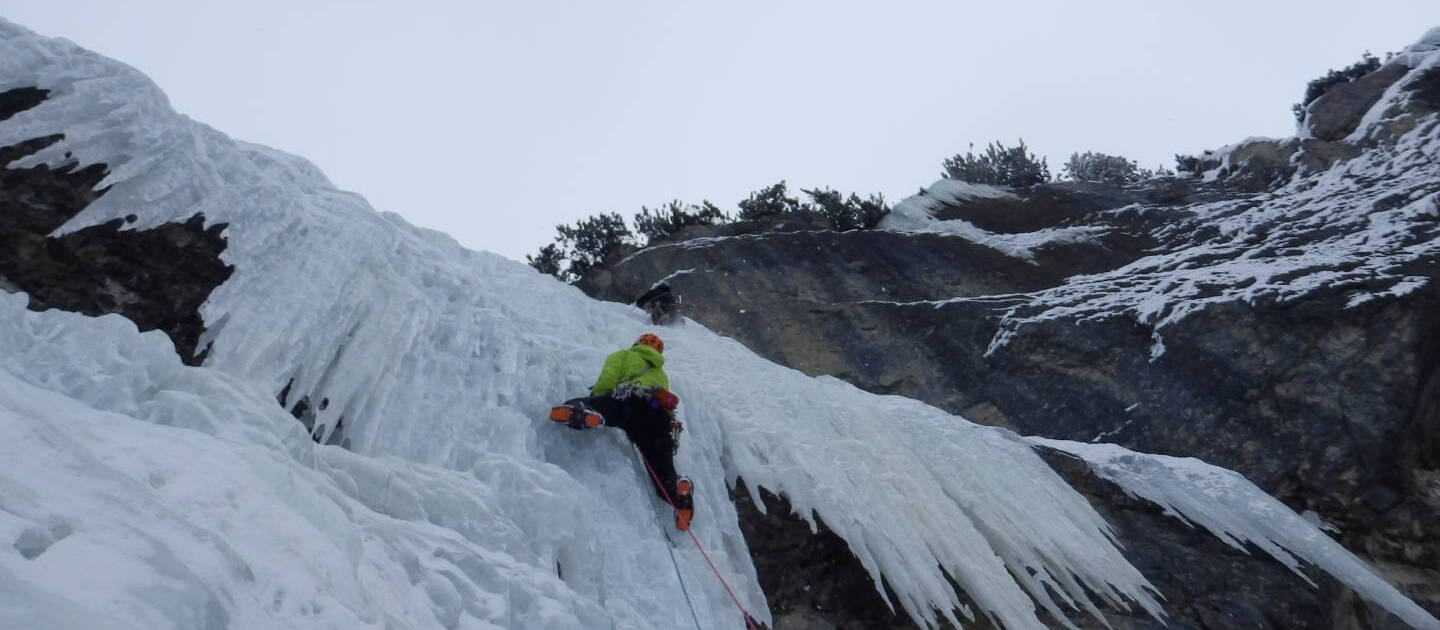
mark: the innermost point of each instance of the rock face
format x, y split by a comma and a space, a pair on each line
828, 591
157, 278
1338, 112
1255, 318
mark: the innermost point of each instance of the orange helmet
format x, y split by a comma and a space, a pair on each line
652, 340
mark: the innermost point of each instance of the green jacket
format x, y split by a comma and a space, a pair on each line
641, 365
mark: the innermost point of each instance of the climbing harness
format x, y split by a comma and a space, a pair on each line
749, 621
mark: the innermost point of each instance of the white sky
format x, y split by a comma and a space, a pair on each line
493, 121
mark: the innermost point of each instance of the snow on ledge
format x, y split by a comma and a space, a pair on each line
1429, 42
918, 211
916, 214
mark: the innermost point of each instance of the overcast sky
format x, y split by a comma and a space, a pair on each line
493, 121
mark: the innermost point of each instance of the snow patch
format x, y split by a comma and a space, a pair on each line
1429, 42
1405, 286
671, 276
917, 215
1022, 245
918, 211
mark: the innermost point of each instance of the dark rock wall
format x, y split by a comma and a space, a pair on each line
17, 100
157, 278
1338, 111
830, 592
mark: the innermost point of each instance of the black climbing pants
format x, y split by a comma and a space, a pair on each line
648, 427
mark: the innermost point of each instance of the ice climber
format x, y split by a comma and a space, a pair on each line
633, 394
661, 303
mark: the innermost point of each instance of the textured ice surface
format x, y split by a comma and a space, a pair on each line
1226, 504
173, 497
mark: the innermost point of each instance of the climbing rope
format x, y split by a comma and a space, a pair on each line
670, 546
749, 621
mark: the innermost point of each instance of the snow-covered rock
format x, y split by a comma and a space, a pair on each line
917, 214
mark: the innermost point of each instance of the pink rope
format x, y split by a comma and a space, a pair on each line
749, 621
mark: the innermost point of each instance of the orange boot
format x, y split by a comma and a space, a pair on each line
684, 503
576, 417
